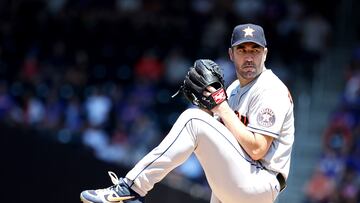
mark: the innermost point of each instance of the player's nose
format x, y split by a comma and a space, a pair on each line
249, 59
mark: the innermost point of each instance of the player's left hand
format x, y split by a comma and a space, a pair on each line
204, 73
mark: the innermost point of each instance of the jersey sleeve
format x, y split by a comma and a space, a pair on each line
267, 112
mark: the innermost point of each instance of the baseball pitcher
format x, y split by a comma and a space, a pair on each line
242, 137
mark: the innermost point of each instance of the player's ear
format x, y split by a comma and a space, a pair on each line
231, 54
265, 53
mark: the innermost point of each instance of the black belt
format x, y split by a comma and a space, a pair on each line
282, 181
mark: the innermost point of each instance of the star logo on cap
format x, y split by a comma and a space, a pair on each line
248, 32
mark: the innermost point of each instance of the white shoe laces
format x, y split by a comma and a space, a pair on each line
114, 179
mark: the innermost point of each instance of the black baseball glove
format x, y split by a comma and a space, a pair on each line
204, 73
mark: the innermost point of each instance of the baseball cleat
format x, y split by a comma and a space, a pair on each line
120, 192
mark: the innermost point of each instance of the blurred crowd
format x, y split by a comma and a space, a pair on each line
336, 177
101, 73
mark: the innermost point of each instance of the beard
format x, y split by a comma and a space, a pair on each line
248, 70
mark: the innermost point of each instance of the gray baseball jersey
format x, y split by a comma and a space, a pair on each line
264, 106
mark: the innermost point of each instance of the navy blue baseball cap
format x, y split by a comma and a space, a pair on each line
248, 33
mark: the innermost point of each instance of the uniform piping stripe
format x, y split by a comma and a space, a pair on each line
250, 161
263, 130
161, 153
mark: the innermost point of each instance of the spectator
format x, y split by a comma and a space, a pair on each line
338, 135
319, 188
332, 164
176, 66
6, 102
249, 10
228, 69
315, 39
97, 108
34, 110
73, 115
53, 112
149, 67
349, 187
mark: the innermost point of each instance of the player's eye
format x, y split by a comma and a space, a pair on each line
256, 51
240, 51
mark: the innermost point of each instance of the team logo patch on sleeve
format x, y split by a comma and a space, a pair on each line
266, 117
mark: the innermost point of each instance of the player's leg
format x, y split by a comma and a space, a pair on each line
232, 175
176, 147
225, 164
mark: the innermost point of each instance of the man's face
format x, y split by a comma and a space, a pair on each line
249, 60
